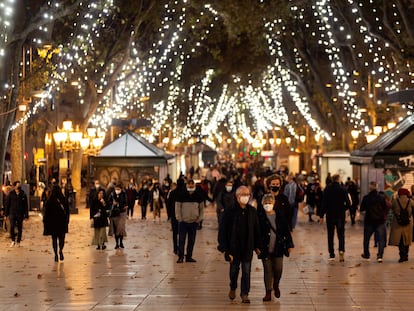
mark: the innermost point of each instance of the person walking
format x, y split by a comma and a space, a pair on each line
56, 220
16, 210
401, 232
156, 201
99, 216
189, 211
143, 198
276, 240
170, 203
119, 205
239, 236
335, 202
225, 200
375, 208
132, 197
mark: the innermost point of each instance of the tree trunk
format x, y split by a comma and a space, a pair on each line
16, 154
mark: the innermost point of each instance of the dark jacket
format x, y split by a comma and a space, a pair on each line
170, 203
118, 200
283, 236
56, 217
16, 205
230, 230
98, 213
335, 202
375, 208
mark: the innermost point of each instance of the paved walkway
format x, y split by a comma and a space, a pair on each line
145, 275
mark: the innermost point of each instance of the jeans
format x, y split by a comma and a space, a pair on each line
272, 271
186, 229
144, 210
174, 228
379, 231
294, 214
16, 221
339, 224
245, 278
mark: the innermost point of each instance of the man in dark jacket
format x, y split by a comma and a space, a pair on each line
17, 209
335, 202
239, 235
375, 208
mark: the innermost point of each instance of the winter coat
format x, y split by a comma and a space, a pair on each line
398, 231
189, 208
16, 205
335, 202
283, 236
230, 231
120, 199
56, 217
375, 208
99, 214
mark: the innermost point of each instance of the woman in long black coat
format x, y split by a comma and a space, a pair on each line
99, 217
56, 220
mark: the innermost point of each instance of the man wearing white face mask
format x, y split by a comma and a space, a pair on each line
189, 211
275, 235
239, 235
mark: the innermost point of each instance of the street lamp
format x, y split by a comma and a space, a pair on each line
92, 141
355, 134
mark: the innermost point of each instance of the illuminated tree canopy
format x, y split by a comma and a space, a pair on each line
239, 68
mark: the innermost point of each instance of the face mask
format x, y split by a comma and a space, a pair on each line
274, 188
229, 188
244, 199
167, 184
190, 189
268, 207
117, 191
145, 187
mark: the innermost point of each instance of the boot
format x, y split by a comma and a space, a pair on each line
268, 296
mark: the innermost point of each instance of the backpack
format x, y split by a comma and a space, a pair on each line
300, 193
403, 218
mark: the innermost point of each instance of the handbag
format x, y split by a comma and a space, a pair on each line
281, 241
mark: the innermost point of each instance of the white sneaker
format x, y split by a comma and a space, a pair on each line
12, 244
341, 256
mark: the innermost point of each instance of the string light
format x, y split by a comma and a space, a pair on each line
244, 109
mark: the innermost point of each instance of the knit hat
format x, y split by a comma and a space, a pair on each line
403, 191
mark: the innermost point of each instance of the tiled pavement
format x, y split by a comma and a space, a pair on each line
145, 275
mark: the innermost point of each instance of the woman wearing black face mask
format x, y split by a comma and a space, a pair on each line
274, 184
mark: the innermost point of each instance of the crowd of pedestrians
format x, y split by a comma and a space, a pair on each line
256, 214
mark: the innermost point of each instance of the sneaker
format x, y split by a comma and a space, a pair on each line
366, 257
12, 244
379, 259
245, 299
232, 294
18, 244
341, 256
331, 257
